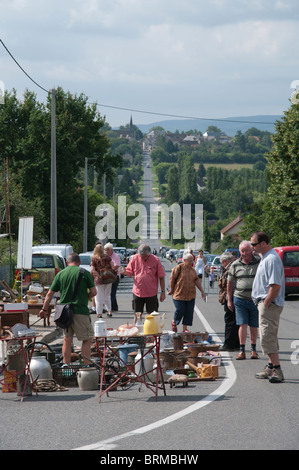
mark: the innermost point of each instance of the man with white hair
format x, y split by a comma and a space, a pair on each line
148, 273
240, 278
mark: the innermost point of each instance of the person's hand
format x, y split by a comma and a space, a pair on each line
162, 296
42, 314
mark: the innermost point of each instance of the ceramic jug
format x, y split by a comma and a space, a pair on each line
159, 319
150, 326
100, 328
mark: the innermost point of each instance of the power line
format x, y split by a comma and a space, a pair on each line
140, 110
47, 91
180, 116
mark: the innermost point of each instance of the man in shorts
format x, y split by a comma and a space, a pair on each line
239, 285
268, 293
65, 282
148, 273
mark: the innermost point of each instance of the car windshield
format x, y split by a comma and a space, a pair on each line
291, 258
42, 261
85, 259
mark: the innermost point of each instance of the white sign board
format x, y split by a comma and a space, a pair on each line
25, 243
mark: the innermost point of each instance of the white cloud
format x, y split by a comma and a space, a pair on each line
170, 56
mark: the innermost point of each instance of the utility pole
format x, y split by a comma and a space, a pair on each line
53, 221
85, 206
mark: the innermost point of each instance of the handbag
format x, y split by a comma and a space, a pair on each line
64, 314
108, 275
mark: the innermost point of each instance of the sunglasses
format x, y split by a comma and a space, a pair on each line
254, 244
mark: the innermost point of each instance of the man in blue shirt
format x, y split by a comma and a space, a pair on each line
268, 292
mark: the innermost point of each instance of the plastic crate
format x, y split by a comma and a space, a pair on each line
66, 376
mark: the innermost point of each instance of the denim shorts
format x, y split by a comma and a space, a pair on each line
246, 312
184, 311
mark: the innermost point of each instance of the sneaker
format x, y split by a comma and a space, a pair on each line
265, 374
276, 376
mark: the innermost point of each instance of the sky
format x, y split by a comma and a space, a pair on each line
155, 59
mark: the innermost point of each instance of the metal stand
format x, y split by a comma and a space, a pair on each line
128, 374
22, 375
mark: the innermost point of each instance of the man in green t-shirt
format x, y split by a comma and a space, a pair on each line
65, 282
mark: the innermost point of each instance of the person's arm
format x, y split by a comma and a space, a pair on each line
92, 292
230, 303
272, 294
199, 286
44, 311
162, 285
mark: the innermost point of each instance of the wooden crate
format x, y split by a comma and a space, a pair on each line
13, 317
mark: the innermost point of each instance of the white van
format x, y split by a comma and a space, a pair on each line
62, 250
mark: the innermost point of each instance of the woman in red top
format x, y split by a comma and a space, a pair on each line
101, 260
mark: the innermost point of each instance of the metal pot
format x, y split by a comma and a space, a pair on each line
88, 378
40, 368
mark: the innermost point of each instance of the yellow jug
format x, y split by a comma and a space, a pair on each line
150, 326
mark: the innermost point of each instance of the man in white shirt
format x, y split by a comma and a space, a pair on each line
268, 292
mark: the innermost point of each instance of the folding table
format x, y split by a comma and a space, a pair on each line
128, 371
27, 355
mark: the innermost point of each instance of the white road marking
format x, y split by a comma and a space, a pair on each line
226, 384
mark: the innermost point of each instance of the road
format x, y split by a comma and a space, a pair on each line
234, 412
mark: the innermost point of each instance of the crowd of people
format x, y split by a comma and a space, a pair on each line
251, 289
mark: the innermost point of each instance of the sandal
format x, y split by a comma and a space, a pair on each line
99, 315
174, 326
109, 314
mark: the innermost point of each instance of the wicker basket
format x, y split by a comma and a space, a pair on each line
189, 337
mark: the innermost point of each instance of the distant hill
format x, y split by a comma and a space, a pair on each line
228, 125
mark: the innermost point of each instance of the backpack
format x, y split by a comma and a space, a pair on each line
107, 275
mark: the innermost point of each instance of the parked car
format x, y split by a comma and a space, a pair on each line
290, 258
122, 252
86, 260
179, 256
60, 249
209, 260
216, 267
234, 251
173, 251
45, 266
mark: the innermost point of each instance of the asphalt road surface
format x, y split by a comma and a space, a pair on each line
233, 412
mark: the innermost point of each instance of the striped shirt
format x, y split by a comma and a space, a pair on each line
243, 275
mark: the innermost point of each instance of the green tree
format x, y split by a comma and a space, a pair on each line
206, 235
172, 191
282, 202
188, 186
